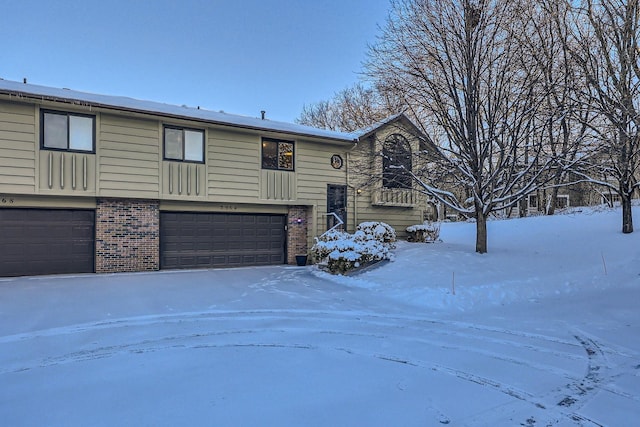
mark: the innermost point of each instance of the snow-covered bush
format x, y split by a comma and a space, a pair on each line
426, 232
378, 231
327, 243
342, 252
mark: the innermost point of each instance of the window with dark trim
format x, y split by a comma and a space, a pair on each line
67, 131
396, 162
277, 154
562, 201
183, 144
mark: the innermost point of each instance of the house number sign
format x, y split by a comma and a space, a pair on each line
336, 161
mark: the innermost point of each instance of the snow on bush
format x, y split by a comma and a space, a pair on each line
426, 232
327, 243
342, 251
379, 231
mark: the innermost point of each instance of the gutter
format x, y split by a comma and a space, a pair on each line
91, 104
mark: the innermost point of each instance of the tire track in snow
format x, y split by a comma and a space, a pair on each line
176, 343
576, 394
451, 333
354, 326
400, 325
370, 318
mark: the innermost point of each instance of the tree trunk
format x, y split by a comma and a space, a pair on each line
481, 232
522, 208
627, 217
551, 207
557, 180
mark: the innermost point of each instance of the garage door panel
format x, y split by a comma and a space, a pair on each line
218, 245
46, 241
272, 260
234, 232
235, 245
219, 261
202, 246
14, 233
221, 240
237, 260
264, 259
55, 215
81, 248
249, 233
42, 250
81, 233
203, 261
188, 260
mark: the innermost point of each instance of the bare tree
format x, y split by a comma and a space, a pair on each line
560, 128
606, 34
475, 91
350, 109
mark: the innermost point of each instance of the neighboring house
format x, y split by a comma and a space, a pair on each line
93, 183
571, 195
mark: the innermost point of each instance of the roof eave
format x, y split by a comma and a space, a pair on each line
81, 102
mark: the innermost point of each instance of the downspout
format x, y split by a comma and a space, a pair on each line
356, 192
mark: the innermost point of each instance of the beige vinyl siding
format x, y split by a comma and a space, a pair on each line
194, 206
409, 206
314, 173
398, 218
63, 172
183, 180
314, 170
278, 185
129, 157
54, 202
17, 148
233, 166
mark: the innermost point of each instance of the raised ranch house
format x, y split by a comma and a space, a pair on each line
93, 183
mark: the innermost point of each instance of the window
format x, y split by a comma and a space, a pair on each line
396, 162
562, 202
277, 154
533, 201
67, 131
185, 145
611, 199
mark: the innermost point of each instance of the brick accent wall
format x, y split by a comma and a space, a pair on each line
297, 221
127, 235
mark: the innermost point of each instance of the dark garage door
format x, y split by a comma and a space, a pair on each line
199, 240
46, 241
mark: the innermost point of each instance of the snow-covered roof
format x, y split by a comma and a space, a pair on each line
400, 117
372, 128
157, 108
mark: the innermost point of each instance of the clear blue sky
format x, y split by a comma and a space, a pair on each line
240, 56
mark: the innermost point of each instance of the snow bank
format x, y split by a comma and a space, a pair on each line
528, 258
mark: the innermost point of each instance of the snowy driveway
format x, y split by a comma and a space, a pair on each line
286, 346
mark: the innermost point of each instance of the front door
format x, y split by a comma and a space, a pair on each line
336, 203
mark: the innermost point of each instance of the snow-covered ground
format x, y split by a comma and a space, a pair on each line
542, 330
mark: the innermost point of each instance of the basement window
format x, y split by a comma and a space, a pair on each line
67, 131
277, 154
184, 145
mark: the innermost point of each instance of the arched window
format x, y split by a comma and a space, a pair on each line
396, 162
